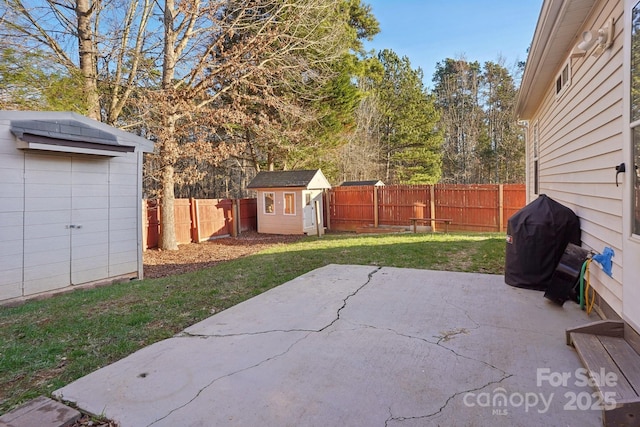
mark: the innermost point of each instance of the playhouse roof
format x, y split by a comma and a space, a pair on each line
374, 182
309, 179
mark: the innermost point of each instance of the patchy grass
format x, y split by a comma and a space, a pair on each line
46, 344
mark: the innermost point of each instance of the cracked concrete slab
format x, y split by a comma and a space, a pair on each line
356, 345
307, 303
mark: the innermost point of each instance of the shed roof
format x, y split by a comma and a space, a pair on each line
309, 179
66, 131
556, 33
375, 182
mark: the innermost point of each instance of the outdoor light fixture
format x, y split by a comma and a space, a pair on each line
588, 40
602, 39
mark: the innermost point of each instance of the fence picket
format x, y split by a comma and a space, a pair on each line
198, 220
470, 207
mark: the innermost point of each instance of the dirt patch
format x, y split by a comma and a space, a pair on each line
196, 256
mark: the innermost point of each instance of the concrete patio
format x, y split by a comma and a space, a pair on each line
358, 346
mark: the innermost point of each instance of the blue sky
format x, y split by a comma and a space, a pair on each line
429, 31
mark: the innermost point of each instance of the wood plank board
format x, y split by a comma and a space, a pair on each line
625, 358
613, 328
596, 359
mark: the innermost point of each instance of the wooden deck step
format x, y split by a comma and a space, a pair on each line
625, 358
616, 366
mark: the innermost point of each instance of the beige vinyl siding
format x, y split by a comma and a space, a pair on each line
580, 145
279, 223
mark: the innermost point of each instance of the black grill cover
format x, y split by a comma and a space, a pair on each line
537, 236
564, 282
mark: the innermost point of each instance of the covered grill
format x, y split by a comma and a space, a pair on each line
537, 236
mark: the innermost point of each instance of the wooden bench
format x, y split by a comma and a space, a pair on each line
415, 221
603, 348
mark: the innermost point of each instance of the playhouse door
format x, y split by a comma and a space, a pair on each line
309, 212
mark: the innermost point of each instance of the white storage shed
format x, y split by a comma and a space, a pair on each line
70, 202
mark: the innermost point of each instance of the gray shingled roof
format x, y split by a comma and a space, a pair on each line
275, 179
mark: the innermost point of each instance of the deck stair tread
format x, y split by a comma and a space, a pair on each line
614, 366
598, 356
625, 357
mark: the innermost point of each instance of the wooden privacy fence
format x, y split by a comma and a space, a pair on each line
197, 220
469, 207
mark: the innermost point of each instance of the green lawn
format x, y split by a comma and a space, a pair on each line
49, 343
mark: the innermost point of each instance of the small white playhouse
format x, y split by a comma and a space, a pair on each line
70, 202
290, 202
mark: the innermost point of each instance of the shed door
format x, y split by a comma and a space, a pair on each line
89, 219
66, 221
47, 215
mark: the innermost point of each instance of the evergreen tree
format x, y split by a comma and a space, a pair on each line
410, 140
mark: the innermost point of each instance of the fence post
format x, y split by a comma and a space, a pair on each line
319, 225
376, 219
159, 213
327, 200
501, 207
432, 213
195, 220
145, 224
235, 214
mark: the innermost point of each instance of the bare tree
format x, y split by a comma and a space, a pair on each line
92, 38
457, 91
211, 48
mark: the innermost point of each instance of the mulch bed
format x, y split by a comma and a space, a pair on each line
196, 256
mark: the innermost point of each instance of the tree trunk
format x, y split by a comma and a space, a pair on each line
168, 146
87, 53
168, 239
168, 152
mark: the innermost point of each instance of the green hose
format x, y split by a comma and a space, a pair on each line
584, 267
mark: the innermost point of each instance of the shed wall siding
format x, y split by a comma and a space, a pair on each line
279, 223
123, 215
11, 216
41, 195
581, 142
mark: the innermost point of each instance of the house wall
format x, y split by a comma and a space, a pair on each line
580, 143
279, 223
41, 194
